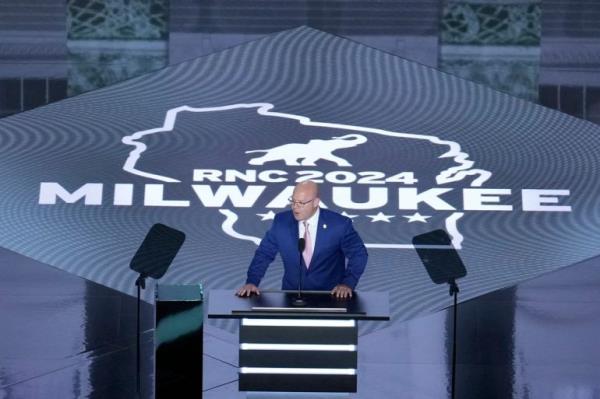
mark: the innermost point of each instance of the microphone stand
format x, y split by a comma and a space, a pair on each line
299, 301
454, 292
140, 284
443, 267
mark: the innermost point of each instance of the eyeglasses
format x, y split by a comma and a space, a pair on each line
299, 204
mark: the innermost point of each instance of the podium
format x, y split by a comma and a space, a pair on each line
285, 348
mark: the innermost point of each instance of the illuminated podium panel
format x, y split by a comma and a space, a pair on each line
286, 348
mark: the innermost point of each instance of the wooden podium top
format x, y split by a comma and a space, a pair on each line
224, 304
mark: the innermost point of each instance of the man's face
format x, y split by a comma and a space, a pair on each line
304, 203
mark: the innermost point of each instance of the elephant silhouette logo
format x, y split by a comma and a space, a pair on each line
307, 154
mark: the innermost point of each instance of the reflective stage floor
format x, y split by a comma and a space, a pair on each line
64, 337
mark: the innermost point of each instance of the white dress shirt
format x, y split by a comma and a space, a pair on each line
313, 224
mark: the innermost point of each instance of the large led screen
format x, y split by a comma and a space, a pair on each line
214, 146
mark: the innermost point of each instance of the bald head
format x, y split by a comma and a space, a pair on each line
308, 187
305, 200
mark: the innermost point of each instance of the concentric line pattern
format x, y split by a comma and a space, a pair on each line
325, 78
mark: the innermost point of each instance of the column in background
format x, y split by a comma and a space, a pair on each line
493, 42
113, 40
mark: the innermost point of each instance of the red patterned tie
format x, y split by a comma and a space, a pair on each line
307, 253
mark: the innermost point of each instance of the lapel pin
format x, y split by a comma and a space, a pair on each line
324, 226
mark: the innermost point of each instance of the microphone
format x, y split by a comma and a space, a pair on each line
299, 301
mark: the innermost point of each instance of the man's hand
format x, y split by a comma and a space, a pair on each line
248, 290
342, 291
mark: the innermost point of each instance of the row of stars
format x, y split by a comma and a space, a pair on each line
380, 217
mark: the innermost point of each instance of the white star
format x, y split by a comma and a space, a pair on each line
416, 217
267, 216
349, 216
380, 217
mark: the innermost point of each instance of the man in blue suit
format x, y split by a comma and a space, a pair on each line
329, 238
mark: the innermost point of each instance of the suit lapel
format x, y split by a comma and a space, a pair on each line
322, 235
294, 230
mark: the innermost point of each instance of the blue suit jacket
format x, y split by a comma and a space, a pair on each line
336, 241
